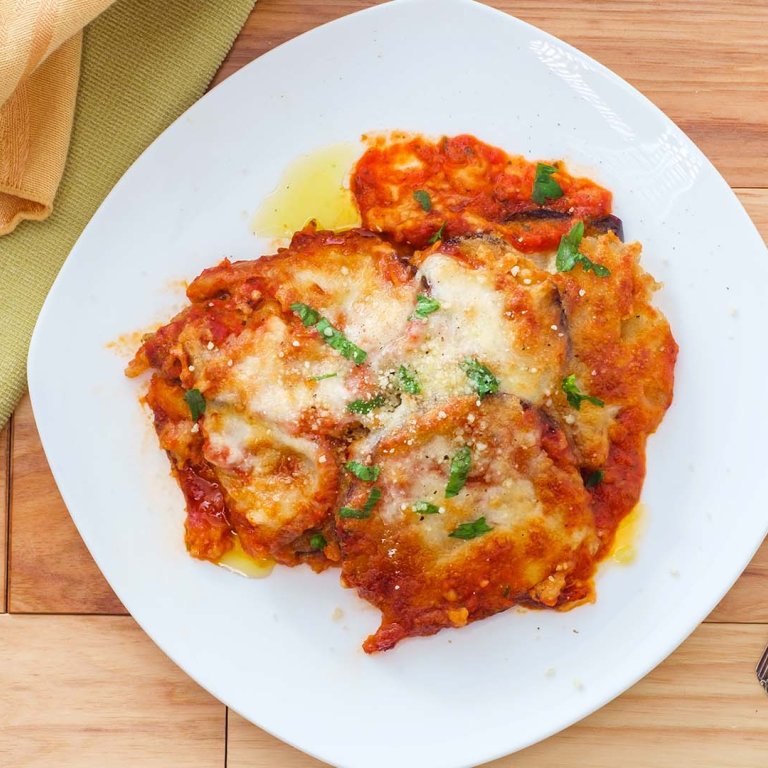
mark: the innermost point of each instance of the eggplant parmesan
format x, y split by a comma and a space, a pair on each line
449, 403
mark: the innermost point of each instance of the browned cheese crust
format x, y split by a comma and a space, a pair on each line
263, 462
523, 482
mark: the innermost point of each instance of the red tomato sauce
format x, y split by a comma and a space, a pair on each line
471, 187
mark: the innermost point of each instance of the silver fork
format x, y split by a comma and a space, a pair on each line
762, 670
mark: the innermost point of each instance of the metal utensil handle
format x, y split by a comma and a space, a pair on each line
762, 670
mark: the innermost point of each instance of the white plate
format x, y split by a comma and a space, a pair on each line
270, 649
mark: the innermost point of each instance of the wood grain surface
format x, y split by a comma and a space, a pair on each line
94, 691
50, 570
81, 685
756, 203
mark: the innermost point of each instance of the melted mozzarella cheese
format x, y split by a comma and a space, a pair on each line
471, 314
536, 508
354, 295
473, 324
273, 378
370, 316
268, 474
509, 504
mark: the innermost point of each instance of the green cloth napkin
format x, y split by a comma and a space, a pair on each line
144, 63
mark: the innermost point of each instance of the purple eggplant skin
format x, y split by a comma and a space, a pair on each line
606, 224
593, 227
536, 214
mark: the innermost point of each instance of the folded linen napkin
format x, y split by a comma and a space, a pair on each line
143, 63
40, 46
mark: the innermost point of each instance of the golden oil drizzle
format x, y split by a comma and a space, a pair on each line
623, 550
315, 186
240, 562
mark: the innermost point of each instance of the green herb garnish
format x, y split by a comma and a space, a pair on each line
365, 512
568, 255
366, 406
306, 314
599, 269
373, 498
317, 542
594, 478
544, 186
425, 508
423, 199
363, 471
333, 337
484, 382
460, 464
438, 235
576, 396
323, 377
353, 514
408, 381
425, 305
568, 250
196, 402
471, 530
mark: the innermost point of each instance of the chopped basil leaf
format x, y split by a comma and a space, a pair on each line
423, 199
196, 403
363, 471
505, 592
438, 235
353, 514
338, 341
408, 381
333, 337
568, 250
306, 314
471, 530
599, 269
323, 377
568, 255
425, 305
460, 465
425, 508
317, 542
365, 512
576, 396
594, 478
365, 406
484, 381
544, 186
373, 499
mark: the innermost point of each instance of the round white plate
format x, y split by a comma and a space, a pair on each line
270, 648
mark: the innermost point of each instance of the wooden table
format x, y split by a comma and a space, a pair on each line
81, 685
